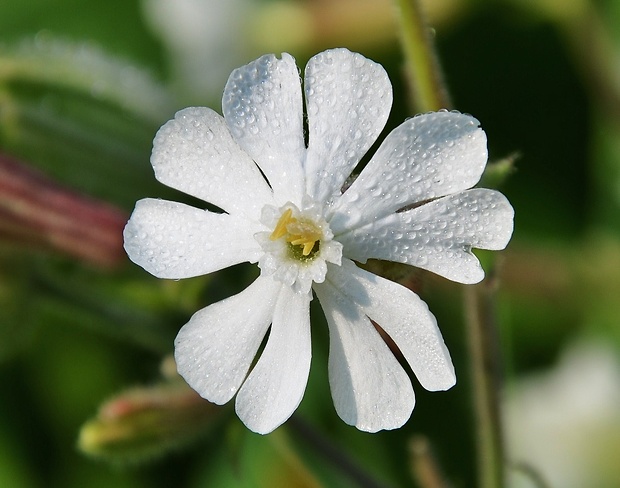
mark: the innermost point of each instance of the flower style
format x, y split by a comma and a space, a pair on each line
284, 208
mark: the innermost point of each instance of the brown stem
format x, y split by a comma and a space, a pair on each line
425, 469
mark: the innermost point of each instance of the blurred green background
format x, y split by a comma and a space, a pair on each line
83, 88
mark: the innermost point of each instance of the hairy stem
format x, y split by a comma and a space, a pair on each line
424, 75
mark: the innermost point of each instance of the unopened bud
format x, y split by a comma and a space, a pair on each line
143, 423
37, 211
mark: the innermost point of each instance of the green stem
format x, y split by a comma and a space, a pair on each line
421, 64
429, 93
484, 358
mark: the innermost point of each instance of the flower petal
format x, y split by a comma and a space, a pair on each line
262, 106
348, 100
428, 156
369, 387
404, 317
215, 349
195, 153
276, 385
174, 240
439, 235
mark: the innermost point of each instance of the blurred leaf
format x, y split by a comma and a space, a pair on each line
606, 174
15, 331
599, 285
94, 301
85, 117
249, 460
84, 68
36, 292
14, 469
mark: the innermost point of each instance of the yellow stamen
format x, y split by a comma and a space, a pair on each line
302, 233
308, 246
280, 229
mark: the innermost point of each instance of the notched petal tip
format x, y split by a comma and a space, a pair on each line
263, 108
275, 386
438, 236
370, 389
348, 99
196, 154
428, 156
405, 318
215, 349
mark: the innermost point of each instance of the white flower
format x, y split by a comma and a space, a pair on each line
305, 234
564, 423
202, 40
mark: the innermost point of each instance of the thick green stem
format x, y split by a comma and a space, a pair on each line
425, 79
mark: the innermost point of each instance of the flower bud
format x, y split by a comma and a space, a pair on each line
143, 423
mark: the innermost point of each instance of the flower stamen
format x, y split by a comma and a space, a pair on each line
302, 233
280, 230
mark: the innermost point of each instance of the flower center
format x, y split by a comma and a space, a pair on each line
303, 236
298, 245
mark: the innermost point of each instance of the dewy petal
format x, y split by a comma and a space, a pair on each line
369, 387
404, 317
262, 106
215, 349
439, 235
174, 240
428, 156
276, 385
195, 153
348, 101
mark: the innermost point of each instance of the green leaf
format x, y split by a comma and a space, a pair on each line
86, 118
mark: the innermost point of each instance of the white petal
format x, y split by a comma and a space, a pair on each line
262, 106
428, 156
174, 240
348, 100
370, 388
215, 349
439, 235
276, 385
195, 153
404, 317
